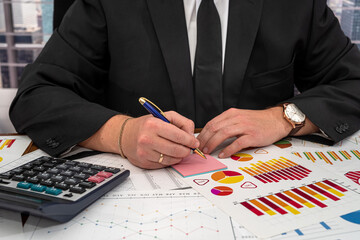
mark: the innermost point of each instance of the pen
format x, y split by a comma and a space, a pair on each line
156, 112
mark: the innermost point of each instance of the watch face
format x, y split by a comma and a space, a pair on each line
294, 113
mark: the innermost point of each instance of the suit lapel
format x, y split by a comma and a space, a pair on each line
243, 23
170, 25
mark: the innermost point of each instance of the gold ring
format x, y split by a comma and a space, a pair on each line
161, 158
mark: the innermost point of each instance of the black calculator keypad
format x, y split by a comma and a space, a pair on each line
55, 176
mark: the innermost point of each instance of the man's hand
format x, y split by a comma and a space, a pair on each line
252, 128
145, 138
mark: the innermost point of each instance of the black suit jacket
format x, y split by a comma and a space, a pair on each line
108, 53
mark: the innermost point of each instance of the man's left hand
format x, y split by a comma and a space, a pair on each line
252, 128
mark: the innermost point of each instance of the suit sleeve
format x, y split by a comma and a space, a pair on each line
328, 76
60, 98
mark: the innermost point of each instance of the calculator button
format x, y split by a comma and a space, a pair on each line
62, 186
81, 176
77, 189
54, 171
29, 173
57, 178
63, 166
104, 174
71, 163
28, 166
24, 185
96, 179
90, 171
44, 176
85, 165
47, 183
112, 170
17, 170
38, 188
71, 181
34, 180
59, 160
50, 164
69, 195
98, 167
53, 191
76, 169
7, 175
67, 173
18, 177
87, 184
39, 168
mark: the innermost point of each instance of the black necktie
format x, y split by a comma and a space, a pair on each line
208, 64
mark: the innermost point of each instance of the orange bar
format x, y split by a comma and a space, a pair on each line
299, 199
289, 161
336, 156
311, 156
297, 154
258, 171
263, 167
315, 194
248, 172
286, 163
325, 158
269, 166
5, 144
284, 205
262, 207
347, 154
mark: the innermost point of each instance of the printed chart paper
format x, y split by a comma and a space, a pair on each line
176, 215
11, 148
271, 194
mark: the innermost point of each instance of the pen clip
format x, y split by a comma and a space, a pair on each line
152, 104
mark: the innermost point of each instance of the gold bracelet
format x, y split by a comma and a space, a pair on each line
120, 137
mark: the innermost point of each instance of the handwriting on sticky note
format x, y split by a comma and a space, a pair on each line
194, 165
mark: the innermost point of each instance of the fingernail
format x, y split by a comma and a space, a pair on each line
205, 150
222, 155
197, 144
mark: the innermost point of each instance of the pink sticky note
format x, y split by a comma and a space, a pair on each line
195, 165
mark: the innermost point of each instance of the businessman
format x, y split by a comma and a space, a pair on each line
227, 66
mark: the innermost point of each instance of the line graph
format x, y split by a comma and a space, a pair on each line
145, 215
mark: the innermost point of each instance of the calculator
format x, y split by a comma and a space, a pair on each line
56, 188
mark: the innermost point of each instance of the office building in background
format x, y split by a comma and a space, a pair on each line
350, 19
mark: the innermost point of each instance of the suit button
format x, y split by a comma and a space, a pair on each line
52, 143
342, 128
55, 144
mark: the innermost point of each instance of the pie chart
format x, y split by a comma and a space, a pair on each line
221, 191
283, 144
227, 177
242, 157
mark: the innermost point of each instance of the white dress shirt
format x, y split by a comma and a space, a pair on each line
191, 7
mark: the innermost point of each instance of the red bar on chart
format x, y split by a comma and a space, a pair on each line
311, 199
285, 198
252, 208
323, 192
335, 186
273, 205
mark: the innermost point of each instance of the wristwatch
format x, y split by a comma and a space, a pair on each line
294, 116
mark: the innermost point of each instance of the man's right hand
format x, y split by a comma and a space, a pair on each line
145, 138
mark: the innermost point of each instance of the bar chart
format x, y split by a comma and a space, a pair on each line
354, 176
293, 201
276, 170
330, 157
6, 143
